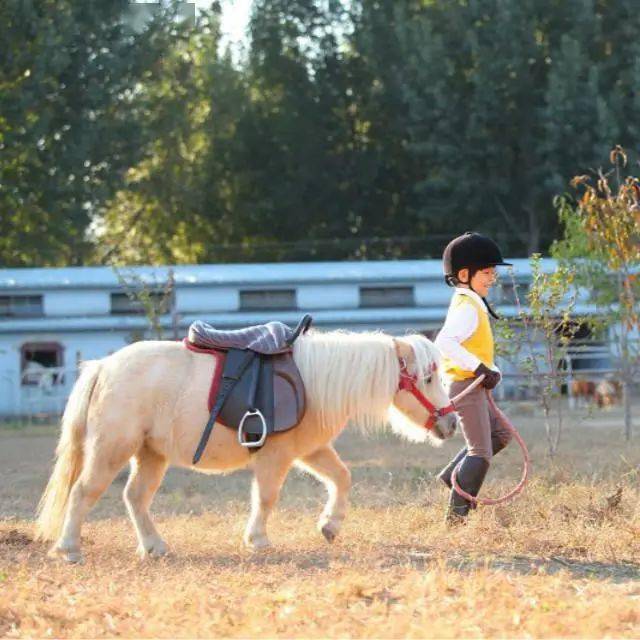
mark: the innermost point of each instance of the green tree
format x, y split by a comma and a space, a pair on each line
349, 130
296, 138
602, 241
503, 97
171, 204
68, 74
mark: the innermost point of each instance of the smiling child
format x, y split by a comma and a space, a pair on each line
466, 342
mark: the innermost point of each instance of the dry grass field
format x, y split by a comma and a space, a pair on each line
563, 560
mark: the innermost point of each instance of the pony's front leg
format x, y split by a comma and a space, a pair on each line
327, 466
270, 471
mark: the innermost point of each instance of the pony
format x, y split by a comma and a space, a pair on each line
147, 404
608, 392
582, 392
604, 394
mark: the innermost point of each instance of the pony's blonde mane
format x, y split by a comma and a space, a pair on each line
355, 375
426, 353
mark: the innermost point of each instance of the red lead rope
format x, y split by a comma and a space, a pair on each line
509, 426
408, 382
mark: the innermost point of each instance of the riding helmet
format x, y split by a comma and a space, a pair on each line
470, 251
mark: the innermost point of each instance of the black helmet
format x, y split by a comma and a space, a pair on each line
471, 251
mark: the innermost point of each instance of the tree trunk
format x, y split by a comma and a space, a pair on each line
626, 375
556, 444
626, 403
534, 231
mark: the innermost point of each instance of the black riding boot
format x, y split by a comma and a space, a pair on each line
445, 475
497, 445
470, 477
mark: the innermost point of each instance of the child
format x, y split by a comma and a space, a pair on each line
466, 342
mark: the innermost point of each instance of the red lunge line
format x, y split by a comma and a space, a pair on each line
509, 426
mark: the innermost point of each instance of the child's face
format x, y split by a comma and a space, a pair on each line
481, 281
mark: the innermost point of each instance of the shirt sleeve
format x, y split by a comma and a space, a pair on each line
461, 323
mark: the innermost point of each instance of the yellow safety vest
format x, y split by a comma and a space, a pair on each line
479, 343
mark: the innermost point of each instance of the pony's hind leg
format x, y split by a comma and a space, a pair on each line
327, 466
270, 471
98, 472
147, 471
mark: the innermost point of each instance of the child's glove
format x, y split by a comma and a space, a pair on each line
491, 377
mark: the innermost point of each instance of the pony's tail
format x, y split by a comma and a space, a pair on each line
69, 455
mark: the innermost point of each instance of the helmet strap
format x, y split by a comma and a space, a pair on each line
489, 309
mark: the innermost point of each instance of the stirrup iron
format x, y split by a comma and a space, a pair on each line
263, 437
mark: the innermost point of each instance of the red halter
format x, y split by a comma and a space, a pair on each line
408, 382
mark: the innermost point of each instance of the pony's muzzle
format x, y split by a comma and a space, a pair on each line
446, 425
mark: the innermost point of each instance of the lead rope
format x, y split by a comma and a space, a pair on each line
509, 426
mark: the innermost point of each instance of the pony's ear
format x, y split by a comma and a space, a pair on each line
403, 350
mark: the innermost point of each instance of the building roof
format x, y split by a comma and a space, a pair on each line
263, 274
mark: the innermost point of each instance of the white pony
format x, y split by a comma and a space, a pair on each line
148, 403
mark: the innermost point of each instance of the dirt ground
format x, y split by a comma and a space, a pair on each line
563, 560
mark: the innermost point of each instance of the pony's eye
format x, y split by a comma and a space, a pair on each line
428, 380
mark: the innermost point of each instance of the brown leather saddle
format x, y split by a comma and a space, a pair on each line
261, 391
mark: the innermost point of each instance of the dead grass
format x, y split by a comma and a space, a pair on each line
564, 560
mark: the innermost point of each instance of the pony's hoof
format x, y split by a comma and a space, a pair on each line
454, 520
154, 549
72, 556
329, 532
258, 543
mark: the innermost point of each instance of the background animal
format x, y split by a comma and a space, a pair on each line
582, 392
604, 393
608, 393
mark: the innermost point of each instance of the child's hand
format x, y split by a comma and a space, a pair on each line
491, 377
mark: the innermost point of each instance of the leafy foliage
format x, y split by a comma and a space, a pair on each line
367, 129
68, 127
602, 239
541, 339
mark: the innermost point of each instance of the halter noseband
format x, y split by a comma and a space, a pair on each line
409, 382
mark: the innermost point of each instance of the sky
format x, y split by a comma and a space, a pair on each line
235, 18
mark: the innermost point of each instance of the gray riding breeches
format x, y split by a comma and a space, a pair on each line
479, 421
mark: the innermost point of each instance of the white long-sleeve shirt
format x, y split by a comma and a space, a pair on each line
460, 325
